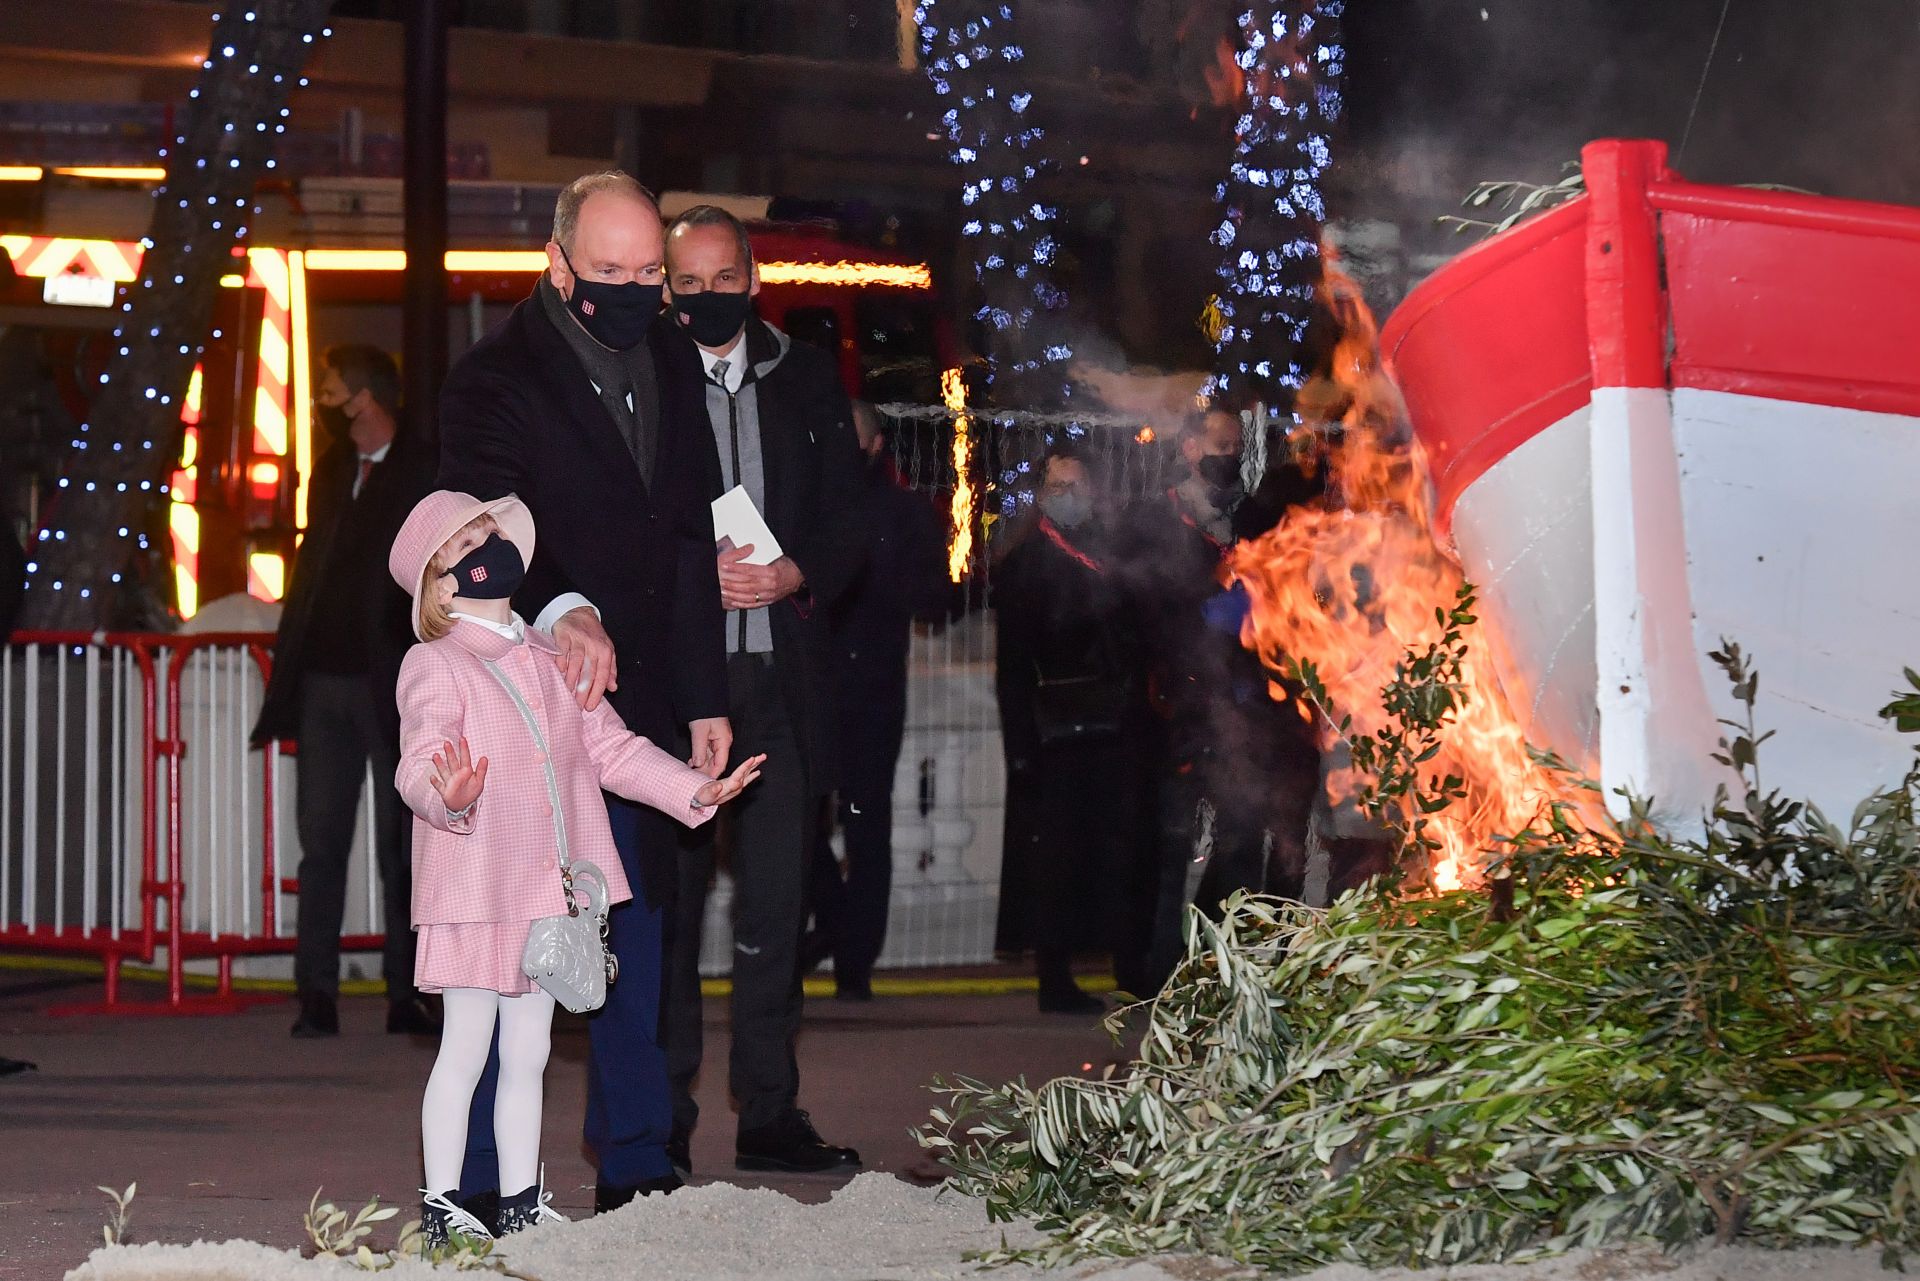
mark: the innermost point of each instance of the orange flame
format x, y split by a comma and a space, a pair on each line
1353, 581
953, 390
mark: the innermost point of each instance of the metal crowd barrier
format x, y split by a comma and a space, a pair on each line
137, 826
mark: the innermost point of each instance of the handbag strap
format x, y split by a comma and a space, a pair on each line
546, 761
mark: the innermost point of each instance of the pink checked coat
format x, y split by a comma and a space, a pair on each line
500, 863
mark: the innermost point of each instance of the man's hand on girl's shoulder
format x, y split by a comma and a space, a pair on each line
586, 656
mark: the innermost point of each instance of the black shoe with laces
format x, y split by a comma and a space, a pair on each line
319, 1016
484, 1207
791, 1145
412, 1015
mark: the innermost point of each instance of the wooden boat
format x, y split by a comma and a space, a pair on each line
1664, 413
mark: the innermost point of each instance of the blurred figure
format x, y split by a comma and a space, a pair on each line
336, 663
1080, 743
1237, 737
905, 577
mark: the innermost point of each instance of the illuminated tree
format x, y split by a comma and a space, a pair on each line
1292, 59
973, 56
92, 565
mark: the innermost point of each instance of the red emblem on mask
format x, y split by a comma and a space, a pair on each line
586, 308
477, 574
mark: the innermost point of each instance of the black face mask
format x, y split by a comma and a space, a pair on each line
615, 316
1221, 472
490, 571
334, 420
712, 317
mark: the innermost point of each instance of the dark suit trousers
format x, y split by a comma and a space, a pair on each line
339, 733
854, 912
629, 1117
768, 831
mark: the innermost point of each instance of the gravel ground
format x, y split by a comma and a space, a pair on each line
878, 1228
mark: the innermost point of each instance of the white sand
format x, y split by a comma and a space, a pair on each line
878, 1228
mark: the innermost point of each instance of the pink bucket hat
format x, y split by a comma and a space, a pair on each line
438, 517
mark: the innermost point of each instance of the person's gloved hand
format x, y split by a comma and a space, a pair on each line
1228, 610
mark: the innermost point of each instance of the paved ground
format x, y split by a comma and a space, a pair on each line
229, 1125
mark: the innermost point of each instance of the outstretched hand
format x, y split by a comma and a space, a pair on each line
722, 790
458, 777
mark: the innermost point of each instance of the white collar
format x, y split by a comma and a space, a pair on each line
736, 358
515, 630
379, 455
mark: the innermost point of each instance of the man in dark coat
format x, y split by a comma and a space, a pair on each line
780, 429
905, 578
343, 633
565, 405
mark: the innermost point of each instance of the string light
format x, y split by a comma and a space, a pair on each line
214, 130
973, 60
1292, 61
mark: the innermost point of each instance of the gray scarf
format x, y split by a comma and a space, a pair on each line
617, 374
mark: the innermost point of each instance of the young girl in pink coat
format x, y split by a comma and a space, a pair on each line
485, 833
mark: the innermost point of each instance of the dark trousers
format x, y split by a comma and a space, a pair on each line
1092, 878
339, 734
629, 1115
852, 911
768, 835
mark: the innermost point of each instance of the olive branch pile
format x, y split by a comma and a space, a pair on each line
1660, 1041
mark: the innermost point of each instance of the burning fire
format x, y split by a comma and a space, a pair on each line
1352, 582
960, 546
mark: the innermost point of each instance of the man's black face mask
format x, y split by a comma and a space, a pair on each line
615, 316
713, 318
1221, 472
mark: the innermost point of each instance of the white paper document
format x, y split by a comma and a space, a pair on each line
738, 521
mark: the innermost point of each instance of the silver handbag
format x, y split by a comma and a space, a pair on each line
567, 955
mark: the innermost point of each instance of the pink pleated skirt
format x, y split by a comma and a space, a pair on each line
484, 954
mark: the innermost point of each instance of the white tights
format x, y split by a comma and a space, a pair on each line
526, 1024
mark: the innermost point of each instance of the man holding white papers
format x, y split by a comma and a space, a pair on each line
786, 475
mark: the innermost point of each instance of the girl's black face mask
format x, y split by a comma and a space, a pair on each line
491, 571
615, 316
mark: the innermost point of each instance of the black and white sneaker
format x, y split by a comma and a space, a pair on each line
442, 1219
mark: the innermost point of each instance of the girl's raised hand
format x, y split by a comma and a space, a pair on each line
722, 790
458, 777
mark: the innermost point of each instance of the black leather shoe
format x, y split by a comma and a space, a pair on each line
791, 1145
852, 989
484, 1207
412, 1016
680, 1153
1073, 1000
319, 1016
611, 1196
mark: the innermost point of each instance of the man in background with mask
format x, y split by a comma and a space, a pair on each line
565, 405
1253, 759
336, 661
1080, 740
778, 426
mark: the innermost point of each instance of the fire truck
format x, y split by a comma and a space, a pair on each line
323, 269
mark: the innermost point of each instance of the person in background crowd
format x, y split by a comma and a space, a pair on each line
564, 406
905, 577
1080, 741
336, 660
782, 430
1252, 757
